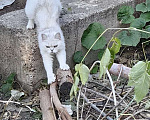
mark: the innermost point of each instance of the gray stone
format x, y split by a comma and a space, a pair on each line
19, 47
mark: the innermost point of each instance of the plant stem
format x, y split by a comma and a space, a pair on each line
78, 101
113, 91
94, 64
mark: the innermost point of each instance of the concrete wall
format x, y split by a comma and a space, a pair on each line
19, 47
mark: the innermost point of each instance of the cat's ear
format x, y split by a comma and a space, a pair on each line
44, 37
58, 36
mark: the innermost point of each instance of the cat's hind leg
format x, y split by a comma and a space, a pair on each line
30, 12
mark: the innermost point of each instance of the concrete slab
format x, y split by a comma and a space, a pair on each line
19, 47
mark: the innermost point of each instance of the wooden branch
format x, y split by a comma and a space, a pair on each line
116, 68
65, 81
63, 114
46, 105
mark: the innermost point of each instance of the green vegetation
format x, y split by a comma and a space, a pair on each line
8, 85
93, 39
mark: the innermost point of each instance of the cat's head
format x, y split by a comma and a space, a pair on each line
52, 41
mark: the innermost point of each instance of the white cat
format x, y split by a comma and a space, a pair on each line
45, 13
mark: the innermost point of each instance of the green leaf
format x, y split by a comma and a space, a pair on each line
115, 48
130, 38
84, 73
90, 35
147, 106
71, 92
75, 85
105, 62
142, 87
145, 16
100, 53
77, 57
147, 1
148, 67
116, 45
148, 5
138, 23
94, 70
37, 115
125, 14
10, 78
77, 67
146, 35
111, 59
6, 88
140, 79
141, 7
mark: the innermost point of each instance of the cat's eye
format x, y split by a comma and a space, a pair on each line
47, 46
55, 46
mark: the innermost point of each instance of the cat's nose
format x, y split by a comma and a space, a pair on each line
51, 49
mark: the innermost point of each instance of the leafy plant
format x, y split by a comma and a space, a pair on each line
82, 72
93, 39
7, 85
125, 16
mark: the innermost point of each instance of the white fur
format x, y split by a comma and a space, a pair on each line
45, 13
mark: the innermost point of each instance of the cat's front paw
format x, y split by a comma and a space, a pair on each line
51, 79
30, 24
64, 67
